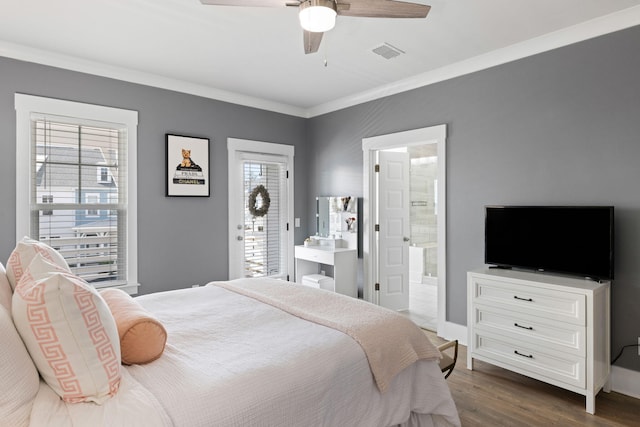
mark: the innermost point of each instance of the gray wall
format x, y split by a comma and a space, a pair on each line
182, 241
562, 127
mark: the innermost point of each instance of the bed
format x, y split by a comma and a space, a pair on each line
244, 353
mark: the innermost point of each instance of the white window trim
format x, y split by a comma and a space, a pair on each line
25, 106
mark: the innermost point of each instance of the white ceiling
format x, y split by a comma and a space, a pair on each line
255, 57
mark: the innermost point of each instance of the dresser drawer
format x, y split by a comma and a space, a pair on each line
536, 332
553, 367
551, 304
319, 256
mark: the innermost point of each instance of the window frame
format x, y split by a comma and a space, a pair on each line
28, 105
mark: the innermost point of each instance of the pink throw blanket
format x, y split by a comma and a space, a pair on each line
390, 341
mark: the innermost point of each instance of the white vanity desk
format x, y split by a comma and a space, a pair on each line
344, 262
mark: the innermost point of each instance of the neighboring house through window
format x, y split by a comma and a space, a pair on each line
76, 186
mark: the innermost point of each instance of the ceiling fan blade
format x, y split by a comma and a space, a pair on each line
250, 3
382, 9
311, 41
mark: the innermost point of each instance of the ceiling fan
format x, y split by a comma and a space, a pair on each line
318, 16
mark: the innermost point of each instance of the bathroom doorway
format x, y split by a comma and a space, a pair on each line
425, 283
421, 185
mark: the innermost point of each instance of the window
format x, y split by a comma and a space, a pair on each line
264, 241
103, 175
85, 156
47, 198
92, 200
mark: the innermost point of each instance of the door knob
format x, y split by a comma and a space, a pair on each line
405, 239
239, 238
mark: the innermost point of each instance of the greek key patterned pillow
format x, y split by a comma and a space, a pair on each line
23, 254
69, 332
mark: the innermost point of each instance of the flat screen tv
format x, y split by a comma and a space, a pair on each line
574, 240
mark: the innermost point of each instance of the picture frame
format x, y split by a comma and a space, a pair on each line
187, 166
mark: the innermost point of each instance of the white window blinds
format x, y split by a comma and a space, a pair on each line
78, 195
264, 240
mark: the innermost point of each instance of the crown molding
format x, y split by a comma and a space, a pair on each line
30, 54
596, 27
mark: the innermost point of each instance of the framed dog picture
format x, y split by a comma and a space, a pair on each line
187, 166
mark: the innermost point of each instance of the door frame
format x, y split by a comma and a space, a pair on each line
235, 145
429, 135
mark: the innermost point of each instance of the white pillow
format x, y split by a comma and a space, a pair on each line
5, 289
19, 378
24, 252
69, 332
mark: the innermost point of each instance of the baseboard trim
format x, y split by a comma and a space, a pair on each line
453, 331
625, 381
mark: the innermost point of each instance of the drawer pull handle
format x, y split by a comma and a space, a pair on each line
529, 328
523, 299
529, 356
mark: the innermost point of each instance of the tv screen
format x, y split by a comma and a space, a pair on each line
576, 240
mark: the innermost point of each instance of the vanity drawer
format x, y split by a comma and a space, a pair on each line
533, 331
551, 304
316, 255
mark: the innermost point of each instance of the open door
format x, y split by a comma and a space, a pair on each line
394, 228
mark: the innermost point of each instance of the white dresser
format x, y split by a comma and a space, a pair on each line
344, 262
548, 327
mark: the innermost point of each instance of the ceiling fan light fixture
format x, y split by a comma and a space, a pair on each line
318, 16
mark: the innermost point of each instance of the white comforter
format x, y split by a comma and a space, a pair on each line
233, 361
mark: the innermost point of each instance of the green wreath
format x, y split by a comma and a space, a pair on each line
266, 201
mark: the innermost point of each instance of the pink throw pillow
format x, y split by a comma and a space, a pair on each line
24, 253
142, 336
69, 332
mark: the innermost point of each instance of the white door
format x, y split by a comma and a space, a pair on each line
260, 210
393, 235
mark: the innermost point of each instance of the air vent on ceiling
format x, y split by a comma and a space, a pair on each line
387, 51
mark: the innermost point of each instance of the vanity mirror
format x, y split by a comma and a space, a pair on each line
336, 216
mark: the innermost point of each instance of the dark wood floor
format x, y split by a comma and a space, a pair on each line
492, 396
